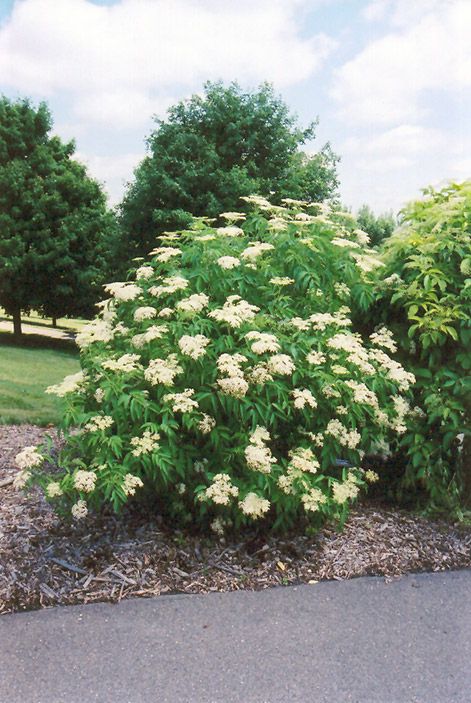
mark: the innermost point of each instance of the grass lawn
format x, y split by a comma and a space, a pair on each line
34, 319
24, 375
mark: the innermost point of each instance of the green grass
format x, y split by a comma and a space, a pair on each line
64, 323
25, 373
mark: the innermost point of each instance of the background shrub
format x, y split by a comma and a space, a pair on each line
425, 297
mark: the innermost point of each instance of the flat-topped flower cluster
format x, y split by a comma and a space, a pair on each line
227, 379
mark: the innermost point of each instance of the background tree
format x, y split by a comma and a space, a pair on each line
211, 150
379, 227
54, 223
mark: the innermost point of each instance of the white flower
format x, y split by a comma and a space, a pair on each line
164, 254
206, 424
171, 284
344, 491
233, 216
123, 291
130, 483
124, 364
384, 338
257, 455
254, 506
362, 394
234, 386
97, 331
371, 476
182, 402
221, 490
99, 395
151, 333
230, 231
299, 323
281, 281
162, 371
79, 510
229, 364
281, 364
194, 303
85, 481
257, 249
53, 489
303, 397
70, 384
217, 526
345, 437
303, 460
148, 443
144, 313
165, 312
313, 499
263, 342
29, 458
144, 272
340, 242
21, 479
98, 423
259, 374
235, 311
228, 262
315, 358
193, 346
342, 290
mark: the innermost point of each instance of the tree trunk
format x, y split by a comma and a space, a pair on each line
17, 324
54, 321
466, 470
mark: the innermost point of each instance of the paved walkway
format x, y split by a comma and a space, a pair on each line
43, 330
363, 640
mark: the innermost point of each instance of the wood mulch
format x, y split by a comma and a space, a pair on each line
45, 561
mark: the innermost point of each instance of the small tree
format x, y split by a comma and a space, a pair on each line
379, 227
212, 150
54, 223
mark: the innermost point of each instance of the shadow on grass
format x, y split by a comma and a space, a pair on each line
39, 341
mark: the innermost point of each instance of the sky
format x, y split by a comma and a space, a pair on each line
390, 80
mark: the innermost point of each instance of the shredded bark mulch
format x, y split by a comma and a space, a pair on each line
45, 561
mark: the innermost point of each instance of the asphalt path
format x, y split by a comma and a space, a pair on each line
365, 640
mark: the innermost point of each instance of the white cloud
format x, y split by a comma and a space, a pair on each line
111, 171
120, 61
388, 81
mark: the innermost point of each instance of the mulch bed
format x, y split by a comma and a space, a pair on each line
45, 561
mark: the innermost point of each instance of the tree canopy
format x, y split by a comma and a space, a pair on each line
54, 223
214, 148
379, 227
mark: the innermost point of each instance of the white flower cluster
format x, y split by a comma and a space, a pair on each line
281, 281
221, 490
321, 320
230, 231
153, 332
194, 303
254, 506
182, 402
303, 397
228, 262
206, 424
130, 483
163, 371
235, 311
304, 460
346, 490
262, 342
98, 423
393, 369
257, 455
362, 394
342, 290
169, 285
29, 458
70, 384
233, 216
402, 409
384, 338
193, 346
146, 444
281, 364
356, 352
259, 374
345, 437
235, 383
53, 490
144, 313
79, 510
85, 481
315, 358
345, 243
124, 364
313, 499
98, 330
144, 272
123, 290
256, 250
164, 254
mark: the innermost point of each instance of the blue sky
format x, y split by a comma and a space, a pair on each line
389, 79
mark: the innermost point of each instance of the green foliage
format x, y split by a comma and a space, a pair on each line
226, 381
211, 150
24, 376
54, 224
425, 295
378, 227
